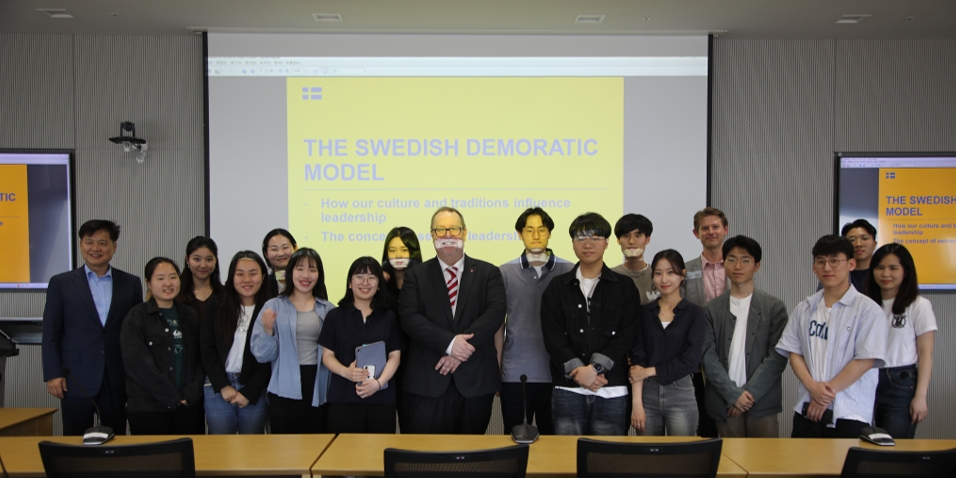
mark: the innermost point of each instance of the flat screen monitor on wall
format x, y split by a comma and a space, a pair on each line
36, 218
911, 200
340, 138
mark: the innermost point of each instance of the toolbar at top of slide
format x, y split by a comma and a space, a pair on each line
443, 67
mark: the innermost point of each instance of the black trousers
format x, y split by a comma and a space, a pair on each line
181, 421
290, 416
77, 412
449, 413
538, 408
361, 418
706, 426
804, 428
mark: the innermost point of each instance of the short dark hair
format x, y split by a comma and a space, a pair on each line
534, 211
672, 256
745, 243
311, 255
831, 245
96, 225
273, 233
366, 265
863, 223
410, 239
708, 211
590, 223
630, 222
909, 288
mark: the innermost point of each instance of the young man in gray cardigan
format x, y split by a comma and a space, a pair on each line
743, 369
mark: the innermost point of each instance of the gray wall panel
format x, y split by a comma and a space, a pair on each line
895, 95
36, 98
780, 110
155, 82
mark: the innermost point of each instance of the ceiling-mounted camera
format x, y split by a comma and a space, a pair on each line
130, 142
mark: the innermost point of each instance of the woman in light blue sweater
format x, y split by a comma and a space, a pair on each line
286, 334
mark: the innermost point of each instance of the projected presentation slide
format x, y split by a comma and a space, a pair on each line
35, 219
341, 149
911, 201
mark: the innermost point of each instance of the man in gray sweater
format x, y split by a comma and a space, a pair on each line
742, 367
520, 344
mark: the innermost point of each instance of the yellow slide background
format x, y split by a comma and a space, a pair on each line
14, 225
930, 236
355, 109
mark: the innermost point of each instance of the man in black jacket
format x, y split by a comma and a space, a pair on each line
589, 322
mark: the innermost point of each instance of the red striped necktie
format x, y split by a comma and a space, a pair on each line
452, 285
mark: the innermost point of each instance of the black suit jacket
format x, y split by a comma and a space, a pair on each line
74, 337
425, 314
215, 348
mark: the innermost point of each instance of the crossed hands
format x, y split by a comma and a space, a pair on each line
822, 395
232, 396
741, 406
461, 351
586, 377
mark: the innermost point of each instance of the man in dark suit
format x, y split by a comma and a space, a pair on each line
82, 319
451, 306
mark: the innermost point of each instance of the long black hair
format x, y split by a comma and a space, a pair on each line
909, 288
186, 278
366, 265
311, 255
231, 306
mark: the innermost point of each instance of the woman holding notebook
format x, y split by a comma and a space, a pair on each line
361, 397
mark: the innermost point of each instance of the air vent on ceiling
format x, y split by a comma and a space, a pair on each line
589, 19
56, 12
327, 17
851, 19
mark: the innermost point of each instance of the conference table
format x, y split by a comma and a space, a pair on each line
26, 421
550, 456
216, 455
808, 457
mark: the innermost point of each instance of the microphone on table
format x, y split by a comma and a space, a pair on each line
97, 434
524, 433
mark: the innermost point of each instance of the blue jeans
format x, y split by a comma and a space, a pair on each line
894, 393
671, 409
576, 414
225, 418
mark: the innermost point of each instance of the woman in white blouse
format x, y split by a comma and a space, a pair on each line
235, 392
901, 393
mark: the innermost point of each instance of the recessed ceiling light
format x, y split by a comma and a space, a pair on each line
327, 17
855, 18
589, 19
56, 12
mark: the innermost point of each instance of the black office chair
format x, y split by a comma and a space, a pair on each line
862, 462
508, 462
602, 459
168, 459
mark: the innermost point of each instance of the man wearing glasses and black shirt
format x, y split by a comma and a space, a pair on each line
451, 306
589, 322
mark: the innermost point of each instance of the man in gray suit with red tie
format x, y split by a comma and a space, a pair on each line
82, 319
451, 306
